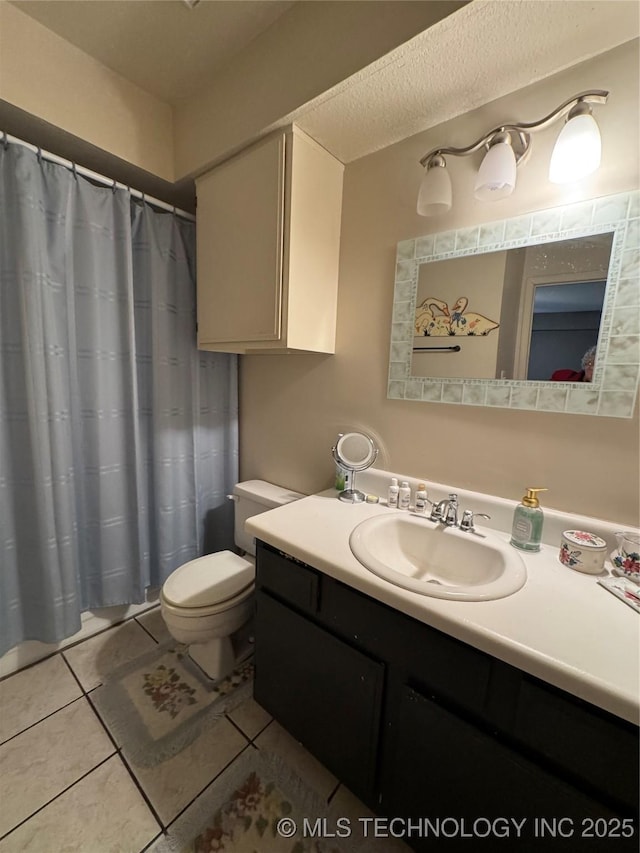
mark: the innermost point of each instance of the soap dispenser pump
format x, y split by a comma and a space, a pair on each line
528, 519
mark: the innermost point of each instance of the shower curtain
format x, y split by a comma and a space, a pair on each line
118, 439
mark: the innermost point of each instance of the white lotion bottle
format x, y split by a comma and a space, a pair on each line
421, 499
404, 495
392, 496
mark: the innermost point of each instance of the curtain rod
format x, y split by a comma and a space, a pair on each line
94, 176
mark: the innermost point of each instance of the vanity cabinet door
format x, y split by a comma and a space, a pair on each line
325, 693
581, 740
441, 766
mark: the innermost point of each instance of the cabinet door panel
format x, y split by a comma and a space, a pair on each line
326, 694
240, 248
444, 767
581, 740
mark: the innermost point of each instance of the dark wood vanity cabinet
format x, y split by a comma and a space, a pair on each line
324, 692
420, 725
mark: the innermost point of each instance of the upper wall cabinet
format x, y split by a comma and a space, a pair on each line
268, 229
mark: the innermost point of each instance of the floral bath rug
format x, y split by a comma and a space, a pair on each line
258, 804
158, 704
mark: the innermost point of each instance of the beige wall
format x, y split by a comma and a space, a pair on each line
293, 406
49, 78
310, 49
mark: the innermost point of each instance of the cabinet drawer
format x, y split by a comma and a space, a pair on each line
587, 742
447, 667
287, 578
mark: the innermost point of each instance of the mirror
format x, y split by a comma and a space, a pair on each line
486, 315
354, 451
516, 314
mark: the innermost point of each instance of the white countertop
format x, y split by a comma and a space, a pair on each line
561, 627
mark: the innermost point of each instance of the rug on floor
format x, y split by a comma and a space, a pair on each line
159, 703
259, 804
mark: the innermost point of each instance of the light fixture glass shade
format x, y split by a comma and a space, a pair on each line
497, 174
435, 192
577, 150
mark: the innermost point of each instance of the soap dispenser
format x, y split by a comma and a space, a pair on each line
528, 519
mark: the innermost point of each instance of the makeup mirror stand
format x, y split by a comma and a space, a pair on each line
354, 451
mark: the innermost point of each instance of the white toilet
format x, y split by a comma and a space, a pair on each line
208, 602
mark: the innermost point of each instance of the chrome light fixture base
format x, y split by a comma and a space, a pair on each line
518, 136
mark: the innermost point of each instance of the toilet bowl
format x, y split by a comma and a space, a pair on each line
204, 603
207, 603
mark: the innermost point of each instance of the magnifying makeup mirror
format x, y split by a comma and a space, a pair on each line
354, 452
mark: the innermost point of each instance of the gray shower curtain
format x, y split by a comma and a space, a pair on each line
118, 439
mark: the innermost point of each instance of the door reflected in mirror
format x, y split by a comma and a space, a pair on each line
565, 326
522, 313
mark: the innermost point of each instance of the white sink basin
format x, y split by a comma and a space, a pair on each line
443, 562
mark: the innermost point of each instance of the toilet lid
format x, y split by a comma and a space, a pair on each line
208, 580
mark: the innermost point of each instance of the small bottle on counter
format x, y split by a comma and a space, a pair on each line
421, 499
392, 497
343, 478
404, 495
528, 519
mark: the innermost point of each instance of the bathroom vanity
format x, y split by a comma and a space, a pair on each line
450, 709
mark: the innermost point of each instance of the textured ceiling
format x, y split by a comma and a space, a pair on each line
483, 51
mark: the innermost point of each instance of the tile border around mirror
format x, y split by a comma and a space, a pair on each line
615, 382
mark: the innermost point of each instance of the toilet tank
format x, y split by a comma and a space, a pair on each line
252, 497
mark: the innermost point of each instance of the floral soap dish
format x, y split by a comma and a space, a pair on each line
582, 551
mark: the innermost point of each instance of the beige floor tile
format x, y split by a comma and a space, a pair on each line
155, 625
347, 805
44, 760
93, 659
172, 784
250, 717
102, 813
33, 694
276, 741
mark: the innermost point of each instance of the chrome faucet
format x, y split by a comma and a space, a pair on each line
446, 511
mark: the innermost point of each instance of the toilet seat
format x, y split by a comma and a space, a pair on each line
172, 610
208, 584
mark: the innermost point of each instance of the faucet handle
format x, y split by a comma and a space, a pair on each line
451, 513
437, 511
468, 519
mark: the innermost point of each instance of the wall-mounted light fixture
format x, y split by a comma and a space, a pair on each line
576, 155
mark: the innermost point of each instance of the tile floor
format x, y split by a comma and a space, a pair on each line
67, 785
